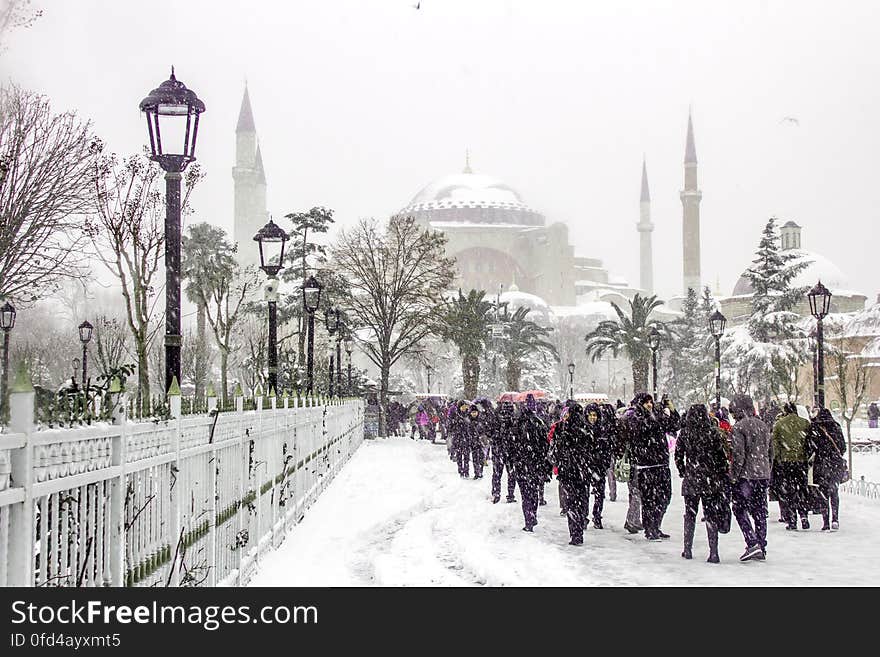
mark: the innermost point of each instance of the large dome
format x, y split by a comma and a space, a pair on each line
820, 268
471, 198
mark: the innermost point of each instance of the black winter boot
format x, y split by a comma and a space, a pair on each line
713, 543
689, 527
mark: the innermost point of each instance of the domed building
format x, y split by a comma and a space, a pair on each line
498, 239
738, 307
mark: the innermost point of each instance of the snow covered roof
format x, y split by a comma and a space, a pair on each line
863, 324
516, 298
594, 309
820, 268
467, 190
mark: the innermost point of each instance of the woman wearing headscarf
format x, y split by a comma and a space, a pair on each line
460, 435
569, 453
476, 427
825, 447
702, 464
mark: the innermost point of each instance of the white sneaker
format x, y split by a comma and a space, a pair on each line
835, 526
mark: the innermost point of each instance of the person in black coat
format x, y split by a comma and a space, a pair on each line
460, 435
569, 452
476, 427
702, 464
610, 428
530, 460
501, 443
649, 451
600, 455
826, 447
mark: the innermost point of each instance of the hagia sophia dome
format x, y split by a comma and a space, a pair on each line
469, 197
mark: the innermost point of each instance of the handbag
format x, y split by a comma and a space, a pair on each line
621, 468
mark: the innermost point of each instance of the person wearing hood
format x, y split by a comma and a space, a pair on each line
825, 447
750, 474
788, 479
461, 438
569, 453
476, 427
649, 450
610, 429
600, 452
501, 447
702, 465
530, 460
633, 522
873, 415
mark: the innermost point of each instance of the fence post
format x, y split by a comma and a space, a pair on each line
174, 524
212, 486
118, 484
238, 396
20, 560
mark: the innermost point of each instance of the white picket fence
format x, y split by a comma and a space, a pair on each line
185, 502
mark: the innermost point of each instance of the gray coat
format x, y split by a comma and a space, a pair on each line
751, 442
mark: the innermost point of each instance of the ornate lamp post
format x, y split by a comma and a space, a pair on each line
571, 380
311, 291
331, 319
717, 322
654, 342
348, 346
271, 239
428, 370
7, 323
820, 303
815, 367
172, 113
85, 336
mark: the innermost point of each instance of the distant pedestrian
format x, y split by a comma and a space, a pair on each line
873, 415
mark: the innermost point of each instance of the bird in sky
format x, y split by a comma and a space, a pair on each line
790, 120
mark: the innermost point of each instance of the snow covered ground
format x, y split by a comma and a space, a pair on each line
399, 515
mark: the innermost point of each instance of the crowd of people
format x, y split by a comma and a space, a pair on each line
731, 466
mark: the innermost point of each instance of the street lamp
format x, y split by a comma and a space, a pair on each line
820, 303
331, 319
571, 380
7, 323
85, 336
271, 239
654, 338
311, 291
717, 322
815, 367
348, 346
428, 370
172, 113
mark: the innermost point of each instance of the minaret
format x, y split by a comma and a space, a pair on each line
250, 185
645, 228
690, 202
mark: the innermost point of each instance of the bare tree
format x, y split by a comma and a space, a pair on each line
850, 381
45, 165
112, 340
15, 14
395, 277
128, 233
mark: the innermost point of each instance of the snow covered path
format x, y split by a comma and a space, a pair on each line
399, 515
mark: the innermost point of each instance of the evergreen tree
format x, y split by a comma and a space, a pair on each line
765, 354
691, 359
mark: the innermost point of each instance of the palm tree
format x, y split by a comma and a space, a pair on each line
629, 335
465, 322
522, 338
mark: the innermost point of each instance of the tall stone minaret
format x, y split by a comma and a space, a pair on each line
250, 186
645, 228
690, 202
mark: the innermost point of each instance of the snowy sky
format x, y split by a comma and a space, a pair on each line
361, 103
